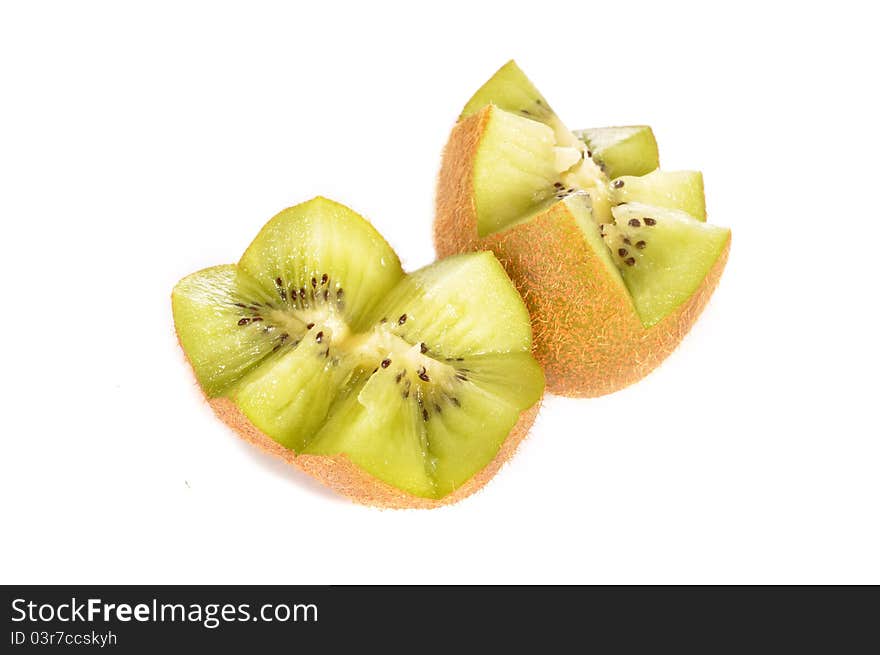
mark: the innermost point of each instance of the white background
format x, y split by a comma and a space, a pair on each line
140, 142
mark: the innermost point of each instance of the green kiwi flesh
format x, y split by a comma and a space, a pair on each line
630, 150
663, 255
527, 160
515, 170
681, 190
328, 347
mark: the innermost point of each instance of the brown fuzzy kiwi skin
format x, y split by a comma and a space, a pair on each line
343, 476
587, 334
340, 474
346, 478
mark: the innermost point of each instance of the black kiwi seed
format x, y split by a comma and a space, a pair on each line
634, 222
437, 408
650, 221
640, 244
339, 294
461, 376
326, 353
455, 401
627, 241
244, 321
384, 320
459, 359
374, 370
589, 154
386, 363
284, 337
302, 293
399, 376
320, 336
326, 295
309, 326
423, 348
526, 112
622, 252
239, 304
629, 261
324, 278
402, 319
558, 185
423, 374
256, 319
314, 283
425, 415
617, 184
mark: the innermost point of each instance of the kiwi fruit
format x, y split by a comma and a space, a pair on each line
613, 257
396, 390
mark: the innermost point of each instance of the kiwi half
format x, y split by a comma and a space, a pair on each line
614, 259
396, 390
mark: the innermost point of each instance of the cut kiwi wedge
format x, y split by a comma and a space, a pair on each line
398, 390
680, 190
550, 203
663, 255
630, 150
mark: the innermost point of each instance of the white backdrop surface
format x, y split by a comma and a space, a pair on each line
142, 141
